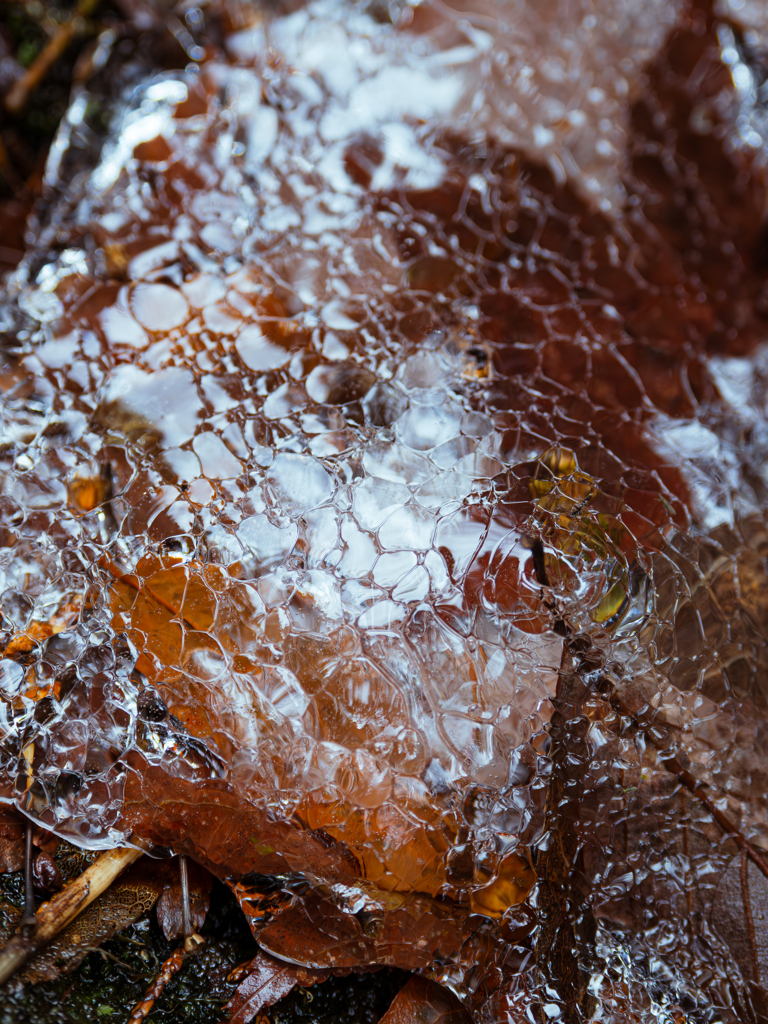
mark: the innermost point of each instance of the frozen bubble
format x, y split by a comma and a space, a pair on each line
423, 370
321, 528
121, 328
216, 207
382, 615
11, 678
299, 483
475, 424
340, 384
448, 455
407, 527
257, 352
358, 552
317, 599
204, 290
165, 404
391, 568
374, 500
266, 542
158, 307
219, 319
384, 404
60, 352
284, 401
359, 595
397, 463
42, 305
424, 427
217, 460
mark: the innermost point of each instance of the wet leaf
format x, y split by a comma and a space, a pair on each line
262, 983
12, 838
169, 905
424, 1001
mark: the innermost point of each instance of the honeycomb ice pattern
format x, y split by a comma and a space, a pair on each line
383, 497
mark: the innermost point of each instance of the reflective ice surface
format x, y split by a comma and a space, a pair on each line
384, 439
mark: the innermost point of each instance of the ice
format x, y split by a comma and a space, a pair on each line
158, 307
400, 421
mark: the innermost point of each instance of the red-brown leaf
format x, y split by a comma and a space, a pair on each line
426, 1002
169, 906
265, 981
11, 840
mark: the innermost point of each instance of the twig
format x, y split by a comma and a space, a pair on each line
605, 689
186, 917
19, 93
564, 978
29, 918
561, 972
56, 914
171, 966
694, 787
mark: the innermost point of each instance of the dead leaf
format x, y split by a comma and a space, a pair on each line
36, 631
12, 833
262, 983
169, 906
423, 1001
229, 838
124, 902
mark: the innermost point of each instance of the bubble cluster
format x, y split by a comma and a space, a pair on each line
381, 507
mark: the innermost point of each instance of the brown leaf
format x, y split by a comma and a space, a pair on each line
169, 906
124, 902
739, 915
365, 926
171, 609
424, 1001
12, 831
263, 982
228, 837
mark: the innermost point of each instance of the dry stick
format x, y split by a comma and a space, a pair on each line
186, 917
171, 966
29, 919
560, 971
64, 907
20, 91
192, 943
558, 900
